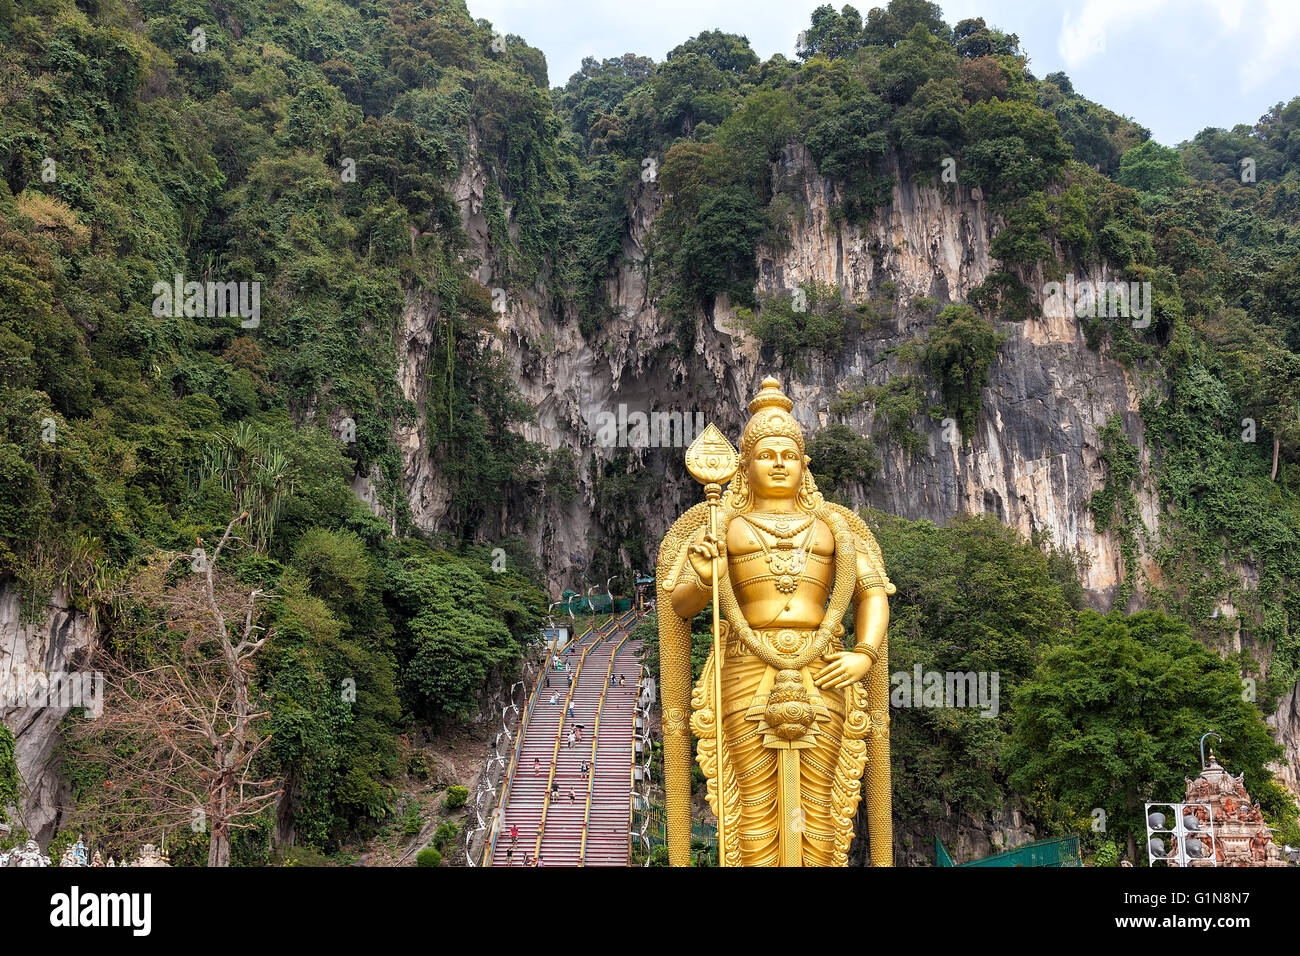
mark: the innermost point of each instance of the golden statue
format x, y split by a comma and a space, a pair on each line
802, 716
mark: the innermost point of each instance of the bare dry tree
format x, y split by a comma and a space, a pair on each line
180, 733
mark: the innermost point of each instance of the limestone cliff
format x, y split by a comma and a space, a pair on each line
1285, 724
1033, 463
28, 651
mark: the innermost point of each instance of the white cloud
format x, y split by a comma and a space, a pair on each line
1229, 11
1084, 36
1277, 34
1266, 32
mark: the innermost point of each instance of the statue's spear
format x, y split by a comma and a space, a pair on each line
713, 462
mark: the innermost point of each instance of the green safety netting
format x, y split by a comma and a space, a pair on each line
1058, 852
597, 604
657, 828
1063, 851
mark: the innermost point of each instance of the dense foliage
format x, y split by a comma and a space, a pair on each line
1111, 716
9, 778
318, 151
973, 597
312, 151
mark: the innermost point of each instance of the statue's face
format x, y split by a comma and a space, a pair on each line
775, 468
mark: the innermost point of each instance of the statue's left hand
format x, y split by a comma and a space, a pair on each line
843, 669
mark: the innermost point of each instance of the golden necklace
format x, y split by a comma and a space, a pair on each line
788, 566
781, 526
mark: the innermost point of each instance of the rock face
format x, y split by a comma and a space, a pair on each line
1285, 723
27, 653
965, 837
1033, 462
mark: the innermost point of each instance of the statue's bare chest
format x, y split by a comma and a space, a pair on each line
783, 548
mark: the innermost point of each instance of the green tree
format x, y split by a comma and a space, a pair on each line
1280, 386
886, 26
973, 596
452, 634
1014, 146
832, 34
9, 779
428, 857
812, 317
929, 127
918, 58
1023, 240
842, 458
847, 144
1113, 717
958, 353
716, 255
330, 675
1152, 168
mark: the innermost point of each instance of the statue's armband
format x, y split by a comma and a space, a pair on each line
673, 577
870, 568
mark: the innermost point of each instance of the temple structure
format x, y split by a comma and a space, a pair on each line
1238, 836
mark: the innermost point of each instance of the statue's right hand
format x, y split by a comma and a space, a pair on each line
702, 556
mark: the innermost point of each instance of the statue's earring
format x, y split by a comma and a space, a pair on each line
806, 487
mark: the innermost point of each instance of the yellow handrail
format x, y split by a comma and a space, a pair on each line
595, 735
631, 789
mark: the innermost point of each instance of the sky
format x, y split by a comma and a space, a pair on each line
1174, 66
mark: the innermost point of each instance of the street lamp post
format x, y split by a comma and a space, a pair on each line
555, 631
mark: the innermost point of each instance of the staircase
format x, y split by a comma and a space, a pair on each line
592, 827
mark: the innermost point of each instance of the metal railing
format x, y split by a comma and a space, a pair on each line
485, 786
489, 845
602, 630
647, 750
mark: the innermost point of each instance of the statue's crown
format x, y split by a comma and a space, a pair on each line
770, 396
771, 418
